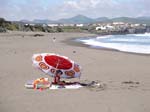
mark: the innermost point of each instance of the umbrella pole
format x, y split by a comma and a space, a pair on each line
55, 71
57, 66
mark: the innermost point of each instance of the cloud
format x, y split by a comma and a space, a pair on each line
94, 8
25, 9
55, 9
109, 8
80, 4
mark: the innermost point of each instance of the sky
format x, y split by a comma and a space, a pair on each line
57, 9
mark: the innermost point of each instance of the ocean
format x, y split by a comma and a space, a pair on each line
133, 43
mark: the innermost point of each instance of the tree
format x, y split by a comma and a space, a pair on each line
58, 29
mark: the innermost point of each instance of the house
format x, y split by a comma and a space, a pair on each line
53, 25
68, 24
135, 25
105, 27
32, 24
118, 23
110, 27
101, 28
79, 25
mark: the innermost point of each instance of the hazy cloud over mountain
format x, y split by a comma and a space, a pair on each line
56, 9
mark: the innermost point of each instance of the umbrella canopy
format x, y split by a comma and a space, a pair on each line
50, 62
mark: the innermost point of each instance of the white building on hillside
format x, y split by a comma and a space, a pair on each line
79, 25
53, 25
105, 27
118, 23
101, 28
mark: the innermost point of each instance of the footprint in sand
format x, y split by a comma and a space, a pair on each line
123, 85
99, 86
130, 84
93, 85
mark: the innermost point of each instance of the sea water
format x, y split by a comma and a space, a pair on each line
133, 43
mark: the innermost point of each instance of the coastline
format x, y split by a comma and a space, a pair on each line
126, 76
73, 42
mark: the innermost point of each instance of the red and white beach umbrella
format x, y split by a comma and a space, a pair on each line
50, 62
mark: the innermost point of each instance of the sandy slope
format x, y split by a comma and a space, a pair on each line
126, 77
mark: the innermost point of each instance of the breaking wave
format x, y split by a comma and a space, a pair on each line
133, 43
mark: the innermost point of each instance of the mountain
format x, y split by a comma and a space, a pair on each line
101, 19
24, 21
42, 21
37, 21
83, 19
141, 20
76, 19
144, 18
124, 19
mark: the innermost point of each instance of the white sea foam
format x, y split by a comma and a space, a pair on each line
135, 43
104, 36
145, 34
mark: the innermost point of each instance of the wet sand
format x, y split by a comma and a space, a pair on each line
126, 76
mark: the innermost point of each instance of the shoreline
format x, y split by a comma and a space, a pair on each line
73, 42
